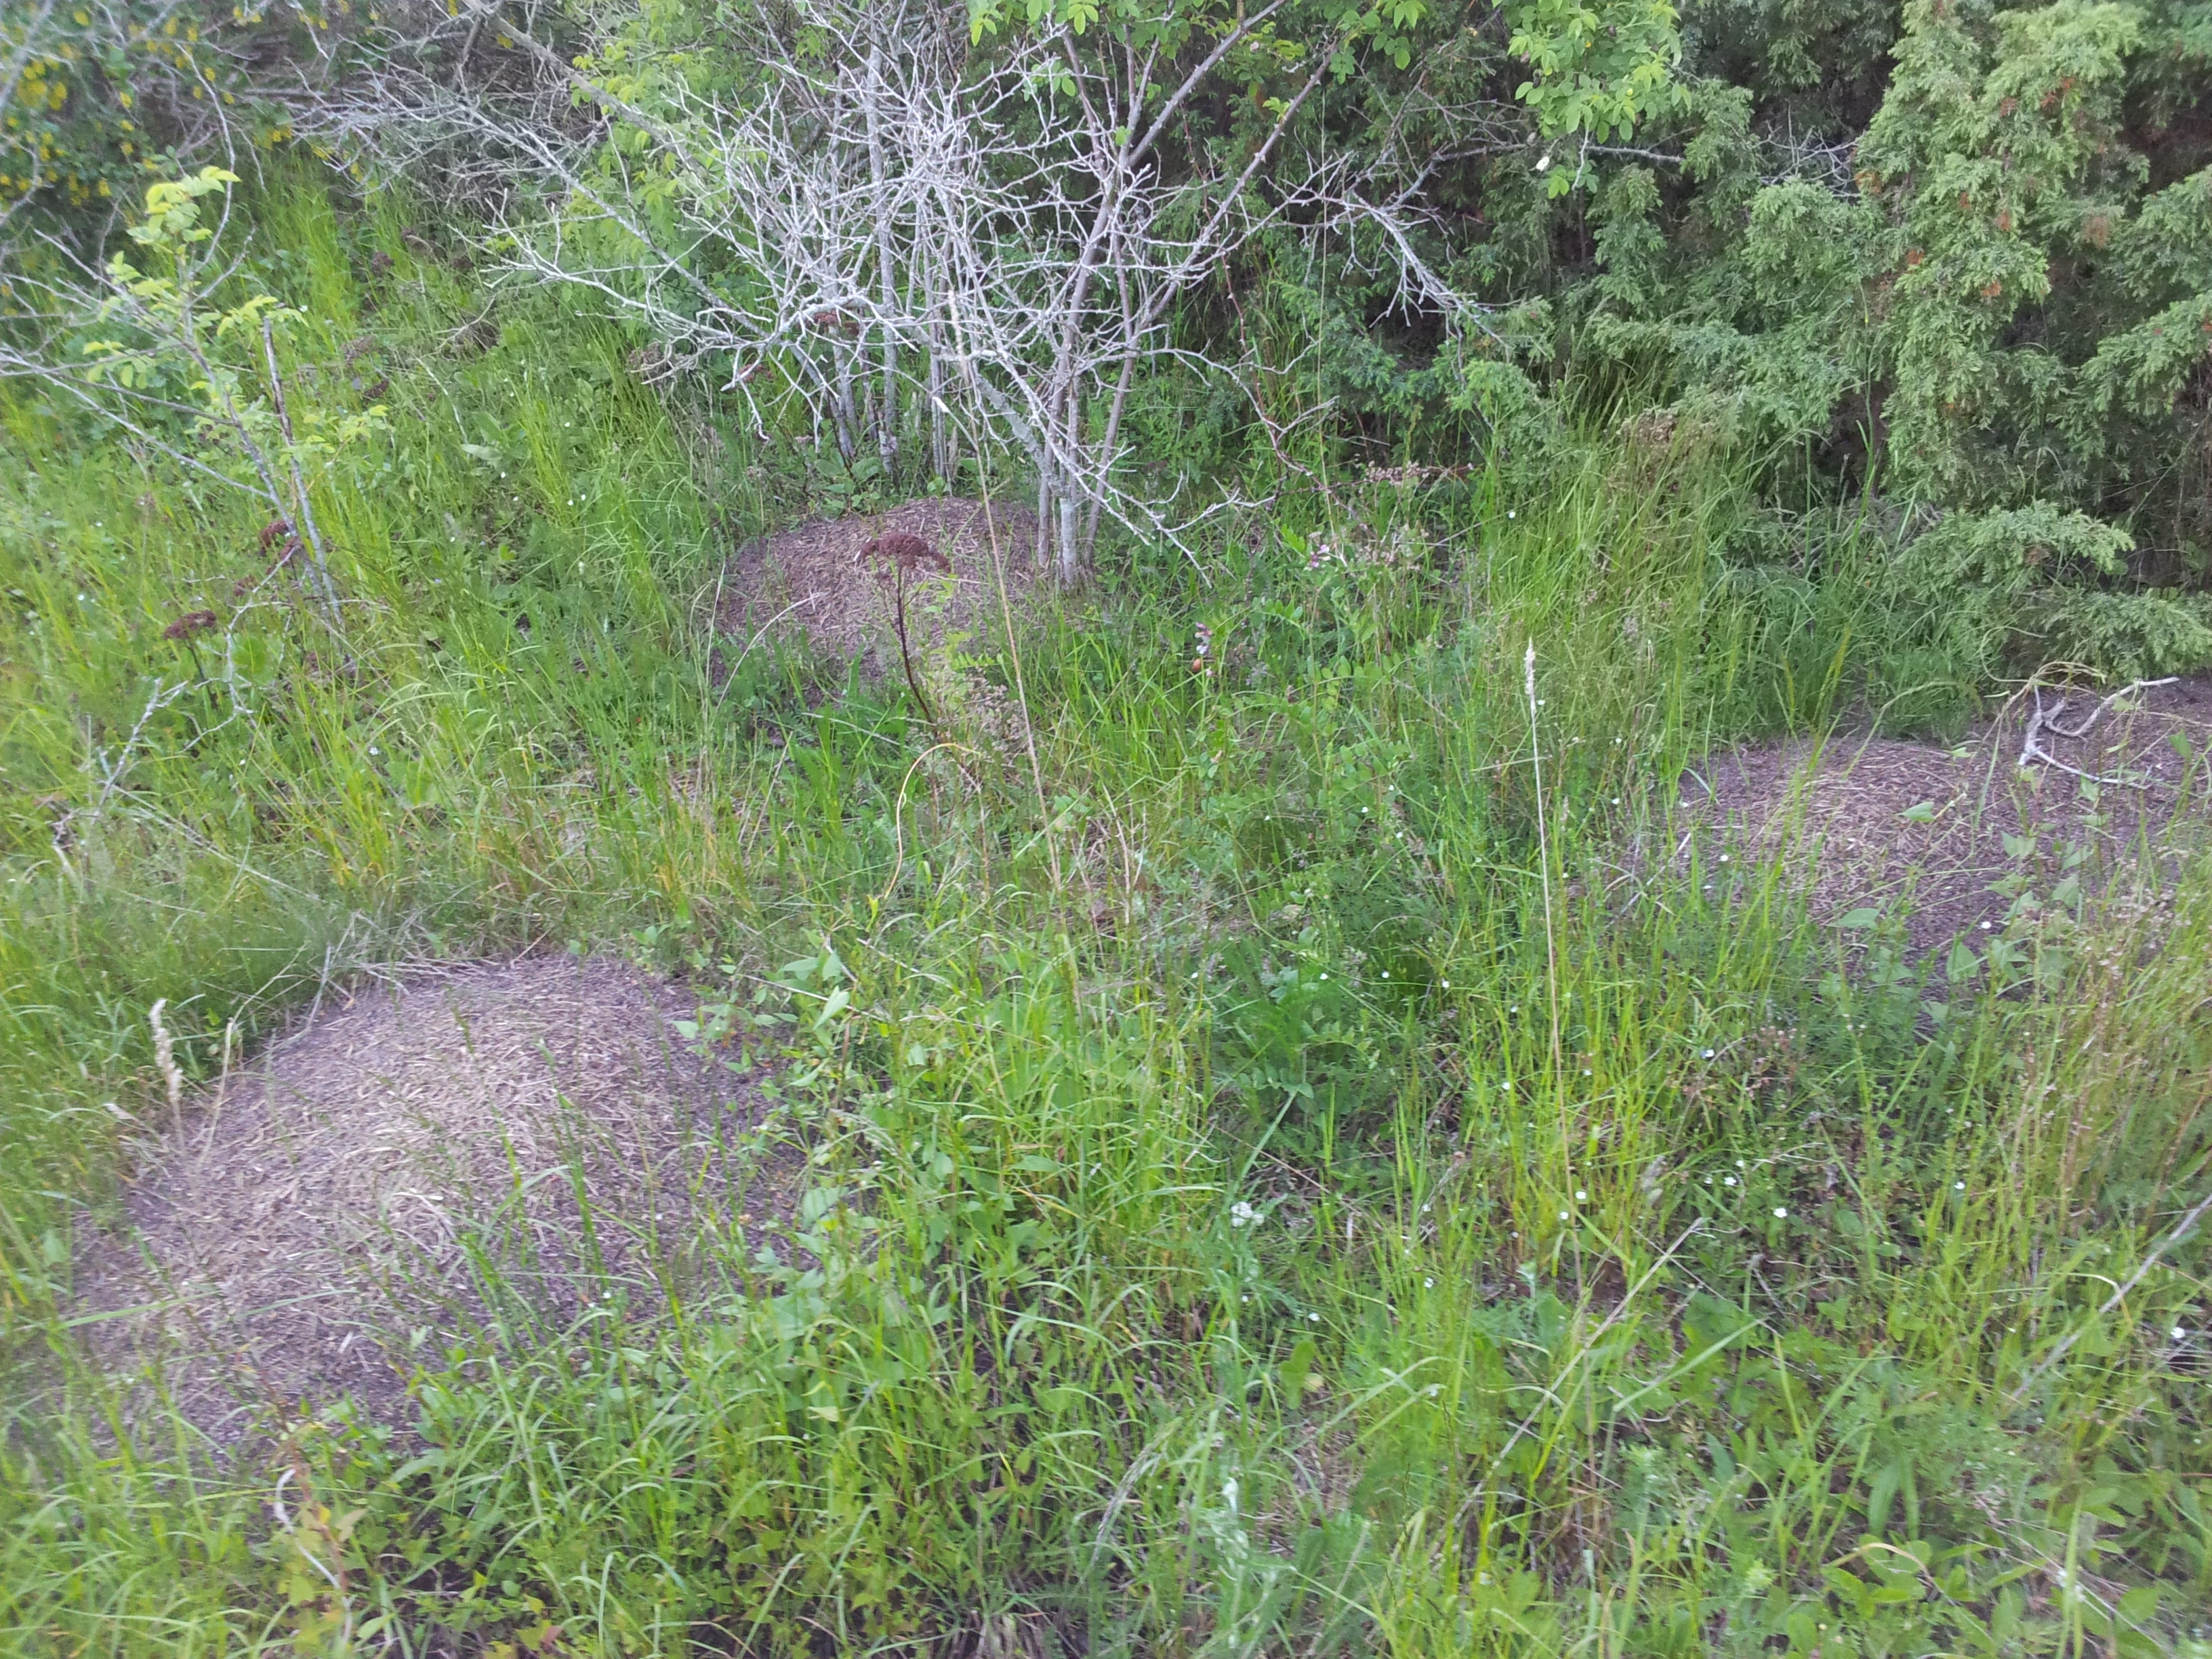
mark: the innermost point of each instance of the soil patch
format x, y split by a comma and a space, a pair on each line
1939, 831
481, 1149
811, 580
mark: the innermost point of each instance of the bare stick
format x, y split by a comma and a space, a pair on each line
2181, 1231
2031, 749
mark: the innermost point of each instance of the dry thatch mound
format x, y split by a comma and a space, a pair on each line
492, 1146
2089, 781
811, 580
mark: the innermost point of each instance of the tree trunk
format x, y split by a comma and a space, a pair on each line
1110, 446
1071, 547
842, 407
940, 438
887, 414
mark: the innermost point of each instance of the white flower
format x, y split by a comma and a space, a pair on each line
1958, 1186
1779, 1212
1315, 1317
1430, 1284
1242, 1214
2178, 1333
1581, 1197
1562, 1215
1730, 1181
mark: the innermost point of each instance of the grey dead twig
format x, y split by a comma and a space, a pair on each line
2041, 719
934, 235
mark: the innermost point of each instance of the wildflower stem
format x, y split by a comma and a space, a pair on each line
1551, 935
906, 656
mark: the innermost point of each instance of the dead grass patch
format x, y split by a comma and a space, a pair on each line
464, 1151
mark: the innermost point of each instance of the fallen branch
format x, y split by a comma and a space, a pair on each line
2032, 751
2065, 1343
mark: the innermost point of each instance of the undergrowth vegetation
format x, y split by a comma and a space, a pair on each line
1303, 1155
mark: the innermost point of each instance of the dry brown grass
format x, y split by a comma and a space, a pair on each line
463, 1149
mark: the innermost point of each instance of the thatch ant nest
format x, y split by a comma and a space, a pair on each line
817, 579
461, 1156
1876, 823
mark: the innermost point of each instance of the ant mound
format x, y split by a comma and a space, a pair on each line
2062, 786
817, 579
488, 1152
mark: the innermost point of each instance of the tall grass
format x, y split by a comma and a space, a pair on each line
1216, 1243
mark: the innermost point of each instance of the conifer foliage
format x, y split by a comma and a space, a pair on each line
1954, 259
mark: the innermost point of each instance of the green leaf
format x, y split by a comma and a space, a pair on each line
1864, 917
1298, 1375
2139, 1603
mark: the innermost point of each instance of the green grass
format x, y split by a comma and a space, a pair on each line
1289, 1184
